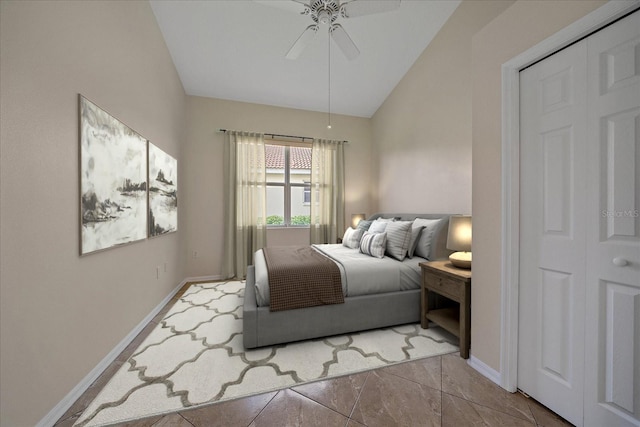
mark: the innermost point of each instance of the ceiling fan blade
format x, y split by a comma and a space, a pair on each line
304, 39
295, 6
356, 8
344, 42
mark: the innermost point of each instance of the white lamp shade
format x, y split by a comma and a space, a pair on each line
356, 218
459, 238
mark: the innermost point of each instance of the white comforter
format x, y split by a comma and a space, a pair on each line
361, 274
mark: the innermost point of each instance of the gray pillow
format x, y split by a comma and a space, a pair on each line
364, 224
415, 235
373, 244
351, 238
425, 241
398, 238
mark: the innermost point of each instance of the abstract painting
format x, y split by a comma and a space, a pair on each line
163, 192
113, 181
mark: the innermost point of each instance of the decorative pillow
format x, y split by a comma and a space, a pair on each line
398, 238
424, 246
373, 244
352, 237
364, 224
415, 234
379, 225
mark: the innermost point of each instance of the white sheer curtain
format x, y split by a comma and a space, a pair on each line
327, 191
244, 201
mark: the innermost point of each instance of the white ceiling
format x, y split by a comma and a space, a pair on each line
235, 50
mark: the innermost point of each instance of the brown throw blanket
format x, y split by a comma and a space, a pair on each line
299, 276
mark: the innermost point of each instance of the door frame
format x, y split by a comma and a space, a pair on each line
510, 208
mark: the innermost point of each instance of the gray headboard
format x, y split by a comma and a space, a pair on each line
440, 238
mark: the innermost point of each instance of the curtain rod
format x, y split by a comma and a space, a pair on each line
275, 135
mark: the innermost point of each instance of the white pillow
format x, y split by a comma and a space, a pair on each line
379, 225
425, 241
398, 238
351, 238
373, 244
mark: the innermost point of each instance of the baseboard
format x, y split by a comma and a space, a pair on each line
61, 408
202, 279
485, 370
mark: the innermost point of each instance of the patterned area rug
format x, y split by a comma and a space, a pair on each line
195, 357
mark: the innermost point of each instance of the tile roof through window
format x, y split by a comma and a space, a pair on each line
300, 157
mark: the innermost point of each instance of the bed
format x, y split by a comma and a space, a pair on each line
387, 306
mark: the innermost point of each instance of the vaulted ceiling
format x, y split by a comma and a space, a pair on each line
236, 50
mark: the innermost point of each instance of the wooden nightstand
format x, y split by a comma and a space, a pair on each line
455, 284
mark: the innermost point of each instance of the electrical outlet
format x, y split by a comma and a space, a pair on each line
194, 254
157, 272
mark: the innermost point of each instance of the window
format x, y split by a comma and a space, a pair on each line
288, 185
307, 193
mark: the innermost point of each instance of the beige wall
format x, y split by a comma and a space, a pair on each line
422, 132
203, 165
62, 314
520, 27
446, 108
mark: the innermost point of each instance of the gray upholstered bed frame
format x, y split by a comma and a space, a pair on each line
262, 327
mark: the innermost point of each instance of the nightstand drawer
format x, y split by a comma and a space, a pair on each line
449, 288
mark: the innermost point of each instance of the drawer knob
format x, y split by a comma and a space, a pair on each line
620, 262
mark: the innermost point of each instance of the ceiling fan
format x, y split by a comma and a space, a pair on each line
327, 12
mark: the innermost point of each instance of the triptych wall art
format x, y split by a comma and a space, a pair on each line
128, 186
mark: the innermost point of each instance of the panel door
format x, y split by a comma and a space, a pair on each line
612, 340
552, 235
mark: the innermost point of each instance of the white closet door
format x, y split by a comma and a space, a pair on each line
552, 235
612, 343
579, 332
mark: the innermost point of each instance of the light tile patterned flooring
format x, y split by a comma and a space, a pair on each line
438, 391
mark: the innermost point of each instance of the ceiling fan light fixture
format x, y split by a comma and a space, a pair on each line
324, 17
325, 12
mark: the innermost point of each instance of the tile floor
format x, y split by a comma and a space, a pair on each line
438, 391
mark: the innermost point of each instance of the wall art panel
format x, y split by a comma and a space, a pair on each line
163, 192
113, 181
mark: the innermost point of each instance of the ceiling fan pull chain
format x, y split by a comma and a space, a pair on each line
329, 85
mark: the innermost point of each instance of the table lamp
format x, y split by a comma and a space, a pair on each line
459, 240
356, 218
